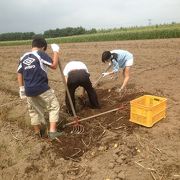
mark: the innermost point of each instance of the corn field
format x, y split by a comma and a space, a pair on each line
153, 32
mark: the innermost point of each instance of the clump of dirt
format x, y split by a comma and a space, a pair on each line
72, 146
110, 147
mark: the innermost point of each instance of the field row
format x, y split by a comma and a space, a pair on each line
157, 32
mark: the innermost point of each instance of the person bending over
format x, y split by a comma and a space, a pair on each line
76, 74
120, 59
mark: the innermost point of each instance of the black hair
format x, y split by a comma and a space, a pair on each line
114, 56
39, 42
106, 55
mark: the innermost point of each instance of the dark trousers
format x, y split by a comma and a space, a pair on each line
78, 78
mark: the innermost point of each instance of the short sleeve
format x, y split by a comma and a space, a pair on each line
19, 69
45, 58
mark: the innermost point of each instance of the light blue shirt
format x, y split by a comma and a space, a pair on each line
123, 57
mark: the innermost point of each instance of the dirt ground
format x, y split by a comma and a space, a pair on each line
108, 147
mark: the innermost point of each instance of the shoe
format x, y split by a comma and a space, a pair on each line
54, 135
95, 107
41, 134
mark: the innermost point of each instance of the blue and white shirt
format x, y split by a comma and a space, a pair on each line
33, 66
124, 58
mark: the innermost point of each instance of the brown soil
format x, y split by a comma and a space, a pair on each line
105, 147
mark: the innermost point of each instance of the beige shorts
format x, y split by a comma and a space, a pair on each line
39, 104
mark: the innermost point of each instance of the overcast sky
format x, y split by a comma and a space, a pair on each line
41, 15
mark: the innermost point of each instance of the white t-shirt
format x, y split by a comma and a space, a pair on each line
74, 65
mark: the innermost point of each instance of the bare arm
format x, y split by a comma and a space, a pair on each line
20, 79
55, 60
66, 78
111, 73
108, 73
83, 92
55, 48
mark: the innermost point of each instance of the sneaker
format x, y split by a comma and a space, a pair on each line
95, 107
43, 132
54, 135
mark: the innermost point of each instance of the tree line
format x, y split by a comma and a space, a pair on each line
52, 33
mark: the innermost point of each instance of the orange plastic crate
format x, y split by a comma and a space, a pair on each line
147, 110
